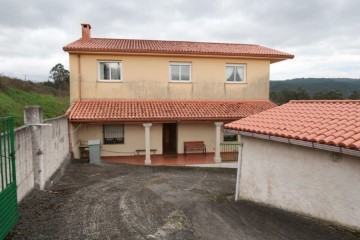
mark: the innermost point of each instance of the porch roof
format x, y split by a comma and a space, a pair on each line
163, 110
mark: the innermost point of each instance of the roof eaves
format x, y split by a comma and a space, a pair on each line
354, 151
183, 53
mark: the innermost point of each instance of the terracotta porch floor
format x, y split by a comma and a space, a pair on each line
161, 160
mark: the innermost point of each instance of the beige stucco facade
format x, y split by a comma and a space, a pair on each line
134, 137
147, 77
302, 180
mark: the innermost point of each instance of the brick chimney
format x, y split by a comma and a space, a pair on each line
86, 32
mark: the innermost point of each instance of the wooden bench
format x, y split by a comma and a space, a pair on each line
194, 146
138, 151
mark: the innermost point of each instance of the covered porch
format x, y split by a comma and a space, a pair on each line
157, 129
172, 160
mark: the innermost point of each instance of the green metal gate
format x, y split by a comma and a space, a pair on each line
8, 200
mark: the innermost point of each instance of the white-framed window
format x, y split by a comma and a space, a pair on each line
109, 71
180, 72
235, 73
113, 133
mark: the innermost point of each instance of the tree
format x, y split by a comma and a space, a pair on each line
334, 95
286, 95
48, 83
330, 95
274, 97
355, 95
302, 94
61, 76
318, 96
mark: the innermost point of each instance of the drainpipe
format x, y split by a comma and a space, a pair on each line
239, 163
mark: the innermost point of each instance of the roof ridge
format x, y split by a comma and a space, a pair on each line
182, 41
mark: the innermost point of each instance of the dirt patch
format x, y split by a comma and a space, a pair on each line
138, 202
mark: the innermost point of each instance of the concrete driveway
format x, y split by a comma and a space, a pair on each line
138, 202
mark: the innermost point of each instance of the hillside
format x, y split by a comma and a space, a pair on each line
312, 85
15, 94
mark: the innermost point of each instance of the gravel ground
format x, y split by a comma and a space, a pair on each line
114, 201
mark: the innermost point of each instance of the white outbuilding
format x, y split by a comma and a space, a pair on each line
303, 156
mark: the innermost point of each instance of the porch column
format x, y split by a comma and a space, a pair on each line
147, 143
217, 157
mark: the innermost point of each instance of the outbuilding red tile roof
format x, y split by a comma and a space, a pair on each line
163, 110
332, 122
174, 47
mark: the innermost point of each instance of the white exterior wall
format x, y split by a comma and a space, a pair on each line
302, 180
134, 137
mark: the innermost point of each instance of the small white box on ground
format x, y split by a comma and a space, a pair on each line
94, 151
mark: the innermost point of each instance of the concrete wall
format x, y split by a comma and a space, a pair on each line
302, 180
55, 146
147, 77
23, 161
41, 152
134, 137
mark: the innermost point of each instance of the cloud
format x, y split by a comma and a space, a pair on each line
323, 35
34, 14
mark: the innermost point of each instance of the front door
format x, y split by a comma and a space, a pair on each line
169, 138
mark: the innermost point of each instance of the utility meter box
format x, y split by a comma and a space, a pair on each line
94, 151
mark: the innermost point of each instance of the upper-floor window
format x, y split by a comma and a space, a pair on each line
235, 73
109, 71
180, 72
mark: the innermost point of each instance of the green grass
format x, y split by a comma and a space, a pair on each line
13, 101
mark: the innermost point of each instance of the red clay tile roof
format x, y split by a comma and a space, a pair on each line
163, 110
174, 47
332, 122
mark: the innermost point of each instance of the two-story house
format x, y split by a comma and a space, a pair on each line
155, 95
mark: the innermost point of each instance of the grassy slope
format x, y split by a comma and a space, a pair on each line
13, 100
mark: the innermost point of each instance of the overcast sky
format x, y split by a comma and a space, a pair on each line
323, 35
